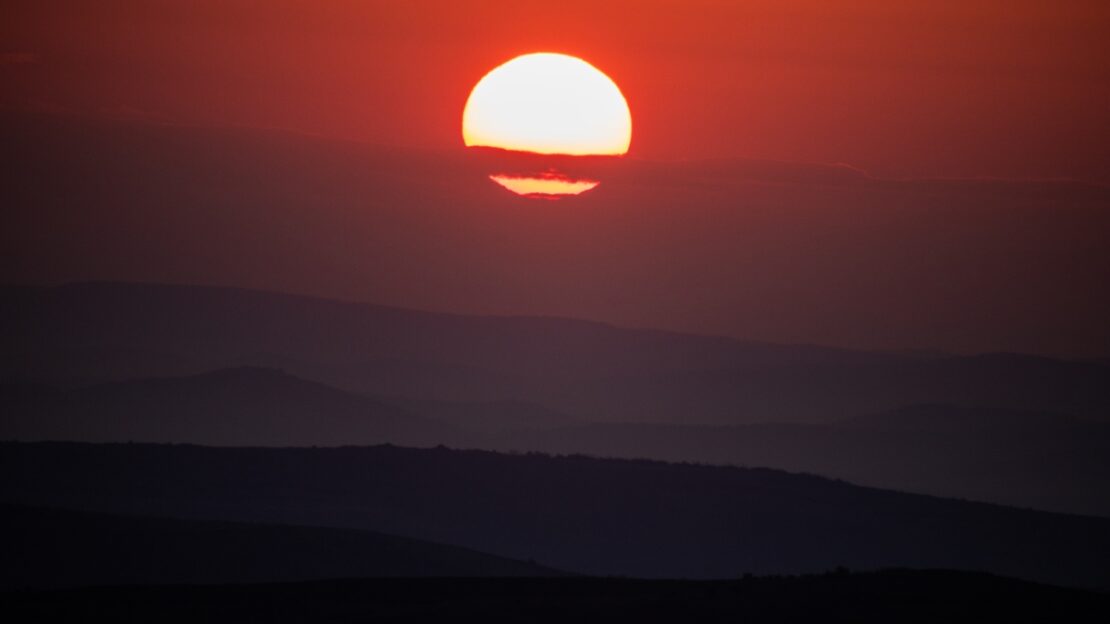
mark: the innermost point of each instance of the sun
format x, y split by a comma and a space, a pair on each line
548, 103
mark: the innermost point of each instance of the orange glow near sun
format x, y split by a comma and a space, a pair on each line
548, 104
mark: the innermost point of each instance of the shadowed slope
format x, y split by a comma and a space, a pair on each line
56, 548
243, 406
577, 514
883, 597
1026, 459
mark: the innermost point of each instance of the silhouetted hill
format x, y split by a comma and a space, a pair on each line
880, 597
98, 332
1026, 459
578, 514
58, 548
243, 406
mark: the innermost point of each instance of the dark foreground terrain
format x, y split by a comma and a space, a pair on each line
577, 514
54, 548
888, 596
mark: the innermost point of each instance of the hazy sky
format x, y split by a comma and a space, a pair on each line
910, 88
714, 223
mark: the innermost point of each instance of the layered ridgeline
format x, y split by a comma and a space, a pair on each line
242, 406
1028, 459
90, 333
147, 363
606, 517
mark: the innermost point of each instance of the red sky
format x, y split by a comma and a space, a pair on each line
908, 89
756, 244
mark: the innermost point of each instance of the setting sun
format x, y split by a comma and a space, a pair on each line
549, 104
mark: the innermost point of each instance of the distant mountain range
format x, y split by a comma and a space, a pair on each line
606, 517
1026, 459
98, 332
243, 406
781, 251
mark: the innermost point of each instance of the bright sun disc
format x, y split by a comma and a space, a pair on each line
548, 104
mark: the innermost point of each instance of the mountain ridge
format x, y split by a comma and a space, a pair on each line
589, 371
574, 513
52, 548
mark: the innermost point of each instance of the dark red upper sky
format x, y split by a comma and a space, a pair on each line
915, 88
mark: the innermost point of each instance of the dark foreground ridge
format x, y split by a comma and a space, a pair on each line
579, 514
1046, 461
887, 596
53, 548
